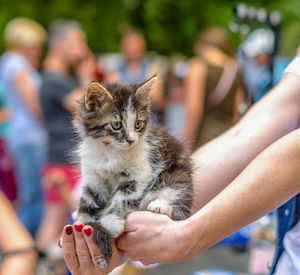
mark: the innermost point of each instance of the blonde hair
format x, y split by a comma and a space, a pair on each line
23, 32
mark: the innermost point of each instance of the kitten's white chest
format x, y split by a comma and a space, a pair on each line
108, 163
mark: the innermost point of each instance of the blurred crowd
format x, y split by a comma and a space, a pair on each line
196, 100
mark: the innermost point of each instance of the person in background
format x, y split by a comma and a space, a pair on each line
174, 115
67, 69
136, 68
212, 87
16, 245
255, 57
25, 137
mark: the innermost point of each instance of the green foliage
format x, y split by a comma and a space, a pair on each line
170, 26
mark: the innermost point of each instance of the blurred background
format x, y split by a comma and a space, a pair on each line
50, 50
169, 26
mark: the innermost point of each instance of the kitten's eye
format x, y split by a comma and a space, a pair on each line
116, 125
139, 125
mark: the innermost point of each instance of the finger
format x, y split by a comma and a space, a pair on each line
94, 250
122, 241
132, 219
68, 248
82, 250
117, 257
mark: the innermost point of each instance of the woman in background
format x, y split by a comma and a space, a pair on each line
25, 137
136, 68
212, 87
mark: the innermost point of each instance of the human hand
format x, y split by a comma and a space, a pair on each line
154, 238
85, 70
79, 250
54, 177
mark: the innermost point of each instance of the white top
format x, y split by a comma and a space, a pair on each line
289, 262
294, 66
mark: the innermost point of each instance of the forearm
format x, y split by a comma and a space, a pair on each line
263, 186
70, 102
28, 94
13, 236
11, 229
193, 119
194, 86
19, 264
157, 96
220, 161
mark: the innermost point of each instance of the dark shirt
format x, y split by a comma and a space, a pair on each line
61, 138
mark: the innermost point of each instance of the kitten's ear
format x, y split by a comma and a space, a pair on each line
143, 91
95, 96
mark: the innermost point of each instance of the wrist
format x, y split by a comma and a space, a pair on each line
193, 237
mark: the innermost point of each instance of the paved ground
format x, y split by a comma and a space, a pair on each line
215, 257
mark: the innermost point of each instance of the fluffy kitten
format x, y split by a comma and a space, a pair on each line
127, 163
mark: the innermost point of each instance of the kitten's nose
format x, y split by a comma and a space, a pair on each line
130, 141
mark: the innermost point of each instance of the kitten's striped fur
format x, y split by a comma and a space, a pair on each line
136, 167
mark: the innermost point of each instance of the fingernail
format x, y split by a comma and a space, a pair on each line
69, 230
78, 227
87, 231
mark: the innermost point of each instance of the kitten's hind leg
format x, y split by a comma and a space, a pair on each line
102, 239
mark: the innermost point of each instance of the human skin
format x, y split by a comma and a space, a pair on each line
78, 250
194, 83
13, 236
217, 164
261, 187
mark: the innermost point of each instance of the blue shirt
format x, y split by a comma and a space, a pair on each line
288, 215
24, 128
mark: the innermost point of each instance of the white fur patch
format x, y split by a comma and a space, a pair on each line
160, 206
114, 224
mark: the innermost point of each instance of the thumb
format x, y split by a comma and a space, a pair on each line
134, 219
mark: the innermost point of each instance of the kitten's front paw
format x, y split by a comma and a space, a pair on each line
113, 224
160, 206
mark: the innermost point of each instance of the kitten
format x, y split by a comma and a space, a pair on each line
127, 163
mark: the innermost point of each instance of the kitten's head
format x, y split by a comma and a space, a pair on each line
115, 114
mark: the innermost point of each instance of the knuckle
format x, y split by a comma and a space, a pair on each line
130, 218
96, 255
71, 259
83, 255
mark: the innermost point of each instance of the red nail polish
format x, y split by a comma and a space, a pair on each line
69, 230
87, 231
78, 227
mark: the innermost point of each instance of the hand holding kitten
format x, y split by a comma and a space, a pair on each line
78, 250
152, 238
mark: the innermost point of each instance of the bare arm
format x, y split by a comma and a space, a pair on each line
70, 102
28, 93
269, 181
194, 99
221, 160
13, 236
264, 185
157, 95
